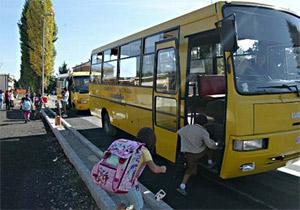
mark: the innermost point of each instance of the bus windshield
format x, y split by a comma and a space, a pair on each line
81, 84
268, 57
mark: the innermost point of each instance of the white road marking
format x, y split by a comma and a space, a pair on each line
289, 171
8, 140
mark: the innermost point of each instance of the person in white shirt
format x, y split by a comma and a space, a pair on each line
65, 101
195, 144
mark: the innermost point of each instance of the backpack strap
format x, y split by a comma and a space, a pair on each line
140, 170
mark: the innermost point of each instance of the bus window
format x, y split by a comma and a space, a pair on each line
130, 63
110, 66
129, 68
96, 73
109, 72
97, 58
106, 55
131, 49
201, 60
80, 84
166, 71
114, 53
96, 68
165, 115
149, 44
147, 70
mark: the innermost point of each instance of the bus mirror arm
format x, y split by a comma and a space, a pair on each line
228, 33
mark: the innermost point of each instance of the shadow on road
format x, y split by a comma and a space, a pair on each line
14, 114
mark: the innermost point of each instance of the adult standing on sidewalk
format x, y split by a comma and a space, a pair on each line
1, 99
6, 98
65, 101
11, 98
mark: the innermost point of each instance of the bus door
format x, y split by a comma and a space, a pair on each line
206, 89
165, 98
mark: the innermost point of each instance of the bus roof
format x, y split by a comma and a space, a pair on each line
63, 75
207, 11
204, 12
80, 73
82, 67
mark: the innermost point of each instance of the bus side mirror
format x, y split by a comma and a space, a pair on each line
228, 35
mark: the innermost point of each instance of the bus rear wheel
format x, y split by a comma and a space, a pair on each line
109, 129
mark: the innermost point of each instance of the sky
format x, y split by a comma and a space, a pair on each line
84, 25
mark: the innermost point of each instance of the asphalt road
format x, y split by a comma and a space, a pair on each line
271, 190
35, 174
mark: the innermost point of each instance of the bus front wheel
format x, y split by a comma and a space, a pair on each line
109, 129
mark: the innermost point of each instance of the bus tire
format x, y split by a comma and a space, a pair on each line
109, 129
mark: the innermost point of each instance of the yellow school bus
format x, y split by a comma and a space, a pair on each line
79, 81
236, 63
76, 82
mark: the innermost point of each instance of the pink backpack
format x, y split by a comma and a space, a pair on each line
117, 170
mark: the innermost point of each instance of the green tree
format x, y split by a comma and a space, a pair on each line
26, 70
52, 83
63, 69
31, 36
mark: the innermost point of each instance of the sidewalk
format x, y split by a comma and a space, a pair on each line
35, 174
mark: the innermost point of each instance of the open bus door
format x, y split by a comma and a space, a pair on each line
166, 98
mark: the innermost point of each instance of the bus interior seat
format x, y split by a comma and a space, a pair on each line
209, 85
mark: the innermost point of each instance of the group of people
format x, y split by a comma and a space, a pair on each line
7, 98
195, 144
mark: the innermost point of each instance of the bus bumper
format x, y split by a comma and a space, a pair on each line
82, 104
282, 148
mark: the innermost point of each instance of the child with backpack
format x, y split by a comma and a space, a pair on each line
26, 108
123, 162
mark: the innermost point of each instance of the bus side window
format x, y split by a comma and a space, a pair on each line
166, 71
96, 68
110, 66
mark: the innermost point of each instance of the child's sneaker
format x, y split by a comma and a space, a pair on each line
181, 191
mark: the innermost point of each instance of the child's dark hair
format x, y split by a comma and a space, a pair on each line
200, 119
147, 136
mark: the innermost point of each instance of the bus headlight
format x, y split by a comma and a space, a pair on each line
249, 145
83, 101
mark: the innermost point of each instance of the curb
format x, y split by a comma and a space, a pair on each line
102, 199
83, 140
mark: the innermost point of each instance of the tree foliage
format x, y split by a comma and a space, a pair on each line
31, 25
63, 69
52, 83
